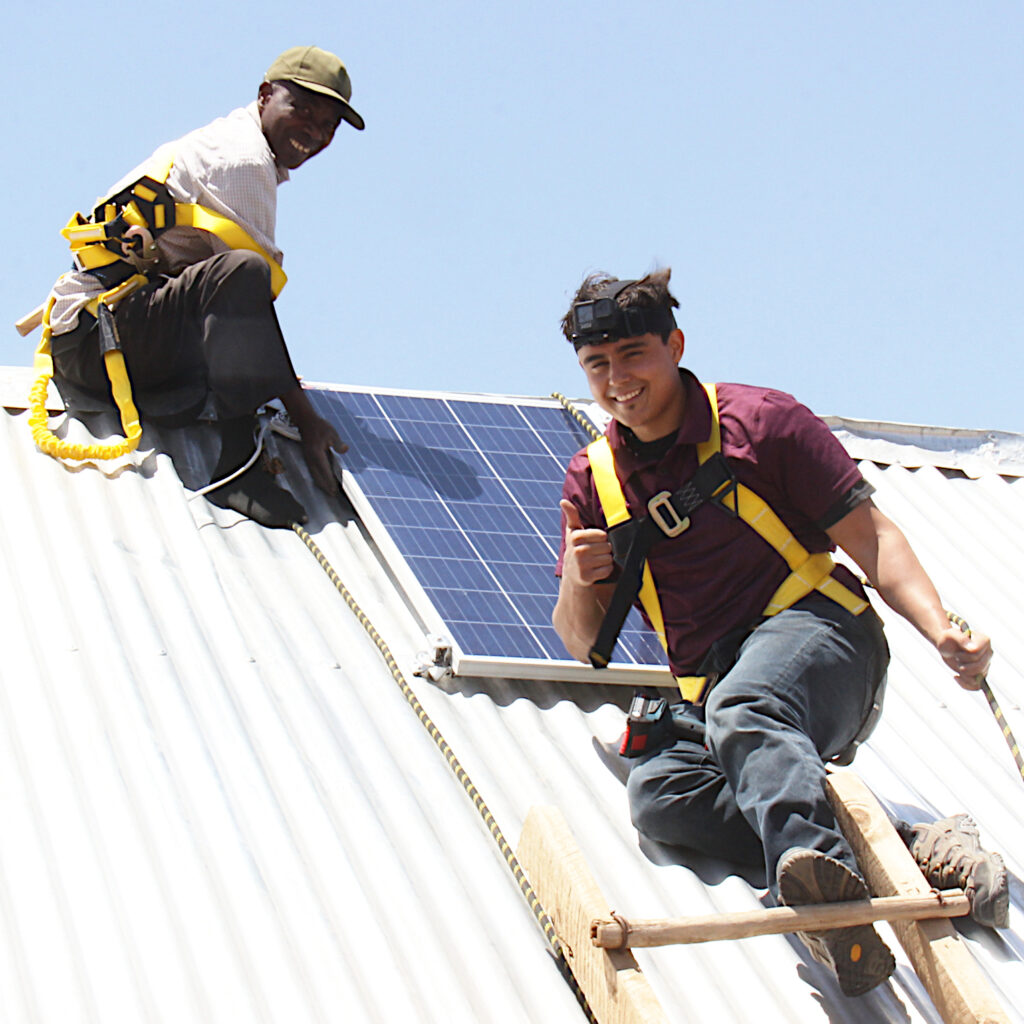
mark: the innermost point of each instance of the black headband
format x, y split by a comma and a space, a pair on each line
602, 319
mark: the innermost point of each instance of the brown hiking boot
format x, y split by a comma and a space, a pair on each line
857, 955
949, 854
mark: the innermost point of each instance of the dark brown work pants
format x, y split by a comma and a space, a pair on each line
206, 342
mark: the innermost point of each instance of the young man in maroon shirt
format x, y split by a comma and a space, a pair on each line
790, 689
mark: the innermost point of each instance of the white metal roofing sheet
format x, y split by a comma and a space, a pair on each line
218, 806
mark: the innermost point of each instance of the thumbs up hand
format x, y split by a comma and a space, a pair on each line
583, 593
588, 552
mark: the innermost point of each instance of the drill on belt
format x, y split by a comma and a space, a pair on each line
648, 722
651, 723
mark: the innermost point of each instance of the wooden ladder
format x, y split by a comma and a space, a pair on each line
598, 945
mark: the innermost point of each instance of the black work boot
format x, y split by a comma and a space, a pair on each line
255, 493
949, 854
857, 955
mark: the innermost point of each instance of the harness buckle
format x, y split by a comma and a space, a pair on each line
659, 508
137, 242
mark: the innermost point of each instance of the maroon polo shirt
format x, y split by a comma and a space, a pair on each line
719, 574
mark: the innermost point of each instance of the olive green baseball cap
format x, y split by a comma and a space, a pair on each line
319, 71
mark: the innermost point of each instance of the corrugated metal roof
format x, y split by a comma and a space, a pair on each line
217, 805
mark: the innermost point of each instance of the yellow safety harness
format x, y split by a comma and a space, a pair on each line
807, 571
117, 245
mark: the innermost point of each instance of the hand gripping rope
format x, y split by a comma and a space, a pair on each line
986, 689
545, 922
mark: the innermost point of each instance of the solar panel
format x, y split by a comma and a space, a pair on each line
461, 494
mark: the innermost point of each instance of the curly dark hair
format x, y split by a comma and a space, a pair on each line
649, 291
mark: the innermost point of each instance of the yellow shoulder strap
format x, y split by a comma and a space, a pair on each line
613, 504
609, 490
87, 239
705, 449
807, 572
230, 232
160, 169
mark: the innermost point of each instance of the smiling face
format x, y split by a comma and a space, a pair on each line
297, 122
637, 381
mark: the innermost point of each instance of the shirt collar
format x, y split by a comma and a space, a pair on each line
696, 426
253, 110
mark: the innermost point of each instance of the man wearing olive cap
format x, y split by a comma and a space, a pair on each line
200, 339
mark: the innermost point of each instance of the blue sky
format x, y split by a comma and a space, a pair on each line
837, 186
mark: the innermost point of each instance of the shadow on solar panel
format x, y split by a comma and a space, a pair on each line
373, 446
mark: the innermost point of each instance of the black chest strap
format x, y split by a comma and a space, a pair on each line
668, 515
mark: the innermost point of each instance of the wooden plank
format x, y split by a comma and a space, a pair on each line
612, 981
945, 966
648, 932
30, 321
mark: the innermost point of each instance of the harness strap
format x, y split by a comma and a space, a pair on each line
124, 226
668, 514
120, 386
233, 235
116, 246
613, 502
807, 572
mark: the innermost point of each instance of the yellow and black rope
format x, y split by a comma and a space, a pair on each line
986, 689
571, 409
543, 919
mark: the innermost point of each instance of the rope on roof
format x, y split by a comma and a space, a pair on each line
545, 922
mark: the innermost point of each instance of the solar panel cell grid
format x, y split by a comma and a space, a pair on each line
468, 491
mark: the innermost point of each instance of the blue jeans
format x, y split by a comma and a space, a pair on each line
802, 685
